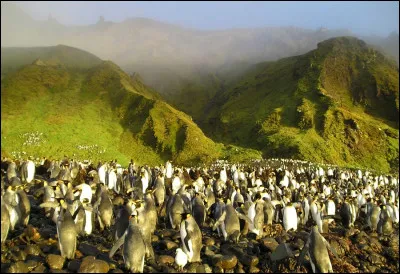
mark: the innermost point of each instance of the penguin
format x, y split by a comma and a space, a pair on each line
176, 184
385, 224
316, 248
209, 198
66, 231
85, 192
24, 207
229, 222
191, 238
102, 173
256, 216
316, 211
11, 200
306, 211
147, 219
181, 259
11, 171
289, 217
112, 180
104, 209
346, 214
159, 190
198, 210
5, 221
134, 249
174, 210
122, 221
269, 211
373, 217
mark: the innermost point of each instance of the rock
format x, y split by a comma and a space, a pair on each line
269, 243
191, 268
167, 233
167, 244
57, 271
117, 270
91, 265
88, 250
208, 251
18, 267
31, 264
254, 269
209, 241
227, 262
245, 259
154, 238
55, 261
39, 269
78, 254
281, 252
165, 259
17, 254
218, 269
74, 265
33, 250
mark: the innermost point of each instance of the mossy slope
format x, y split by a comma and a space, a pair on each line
338, 104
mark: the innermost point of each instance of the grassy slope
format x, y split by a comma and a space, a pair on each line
341, 83
14, 58
101, 107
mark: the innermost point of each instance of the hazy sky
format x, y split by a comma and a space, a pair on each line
363, 18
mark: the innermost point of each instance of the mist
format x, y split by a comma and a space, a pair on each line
170, 48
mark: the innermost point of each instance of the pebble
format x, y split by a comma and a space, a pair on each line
39, 269
31, 264
269, 243
154, 238
74, 265
18, 267
91, 265
167, 244
33, 250
227, 261
55, 261
165, 259
88, 250
209, 241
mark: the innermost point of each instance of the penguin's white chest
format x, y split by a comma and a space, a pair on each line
289, 218
31, 171
88, 222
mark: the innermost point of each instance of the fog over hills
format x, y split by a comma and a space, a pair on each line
164, 53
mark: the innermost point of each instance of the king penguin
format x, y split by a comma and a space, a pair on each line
290, 217
198, 210
134, 249
316, 247
66, 231
191, 238
5, 221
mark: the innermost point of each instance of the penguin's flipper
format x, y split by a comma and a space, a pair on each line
220, 220
244, 217
52, 204
303, 253
117, 245
330, 247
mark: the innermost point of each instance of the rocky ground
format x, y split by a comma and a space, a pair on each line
35, 249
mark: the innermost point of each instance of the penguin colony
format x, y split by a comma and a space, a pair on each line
230, 201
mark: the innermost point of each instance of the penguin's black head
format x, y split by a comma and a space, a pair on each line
257, 196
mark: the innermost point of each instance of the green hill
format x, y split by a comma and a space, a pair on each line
51, 109
336, 104
15, 58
